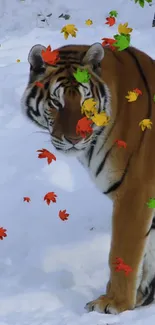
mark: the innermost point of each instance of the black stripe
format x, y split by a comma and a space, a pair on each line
129, 51
39, 98
101, 165
115, 186
93, 143
150, 298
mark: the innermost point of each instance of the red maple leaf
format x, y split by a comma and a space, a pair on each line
138, 91
110, 21
121, 266
83, 127
39, 84
50, 57
2, 233
50, 196
26, 198
63, 215
121, 143
46, 154
109, 42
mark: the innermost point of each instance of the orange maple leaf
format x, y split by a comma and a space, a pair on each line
2, 233
110, 21
46, 154
138, 91
50, 57
83, 127
50, 196
121, 266
63, 215
26, 198
109, 42
121, 143
39, 84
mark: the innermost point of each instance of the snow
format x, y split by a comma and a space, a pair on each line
49, 269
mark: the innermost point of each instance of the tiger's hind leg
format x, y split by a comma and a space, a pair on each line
146, 290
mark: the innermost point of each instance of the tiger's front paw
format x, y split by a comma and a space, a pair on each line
107, 305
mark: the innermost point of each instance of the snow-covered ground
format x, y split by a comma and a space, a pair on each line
49, 269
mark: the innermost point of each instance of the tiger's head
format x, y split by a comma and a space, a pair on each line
56, 103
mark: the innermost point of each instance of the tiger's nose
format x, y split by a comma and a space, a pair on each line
73, 141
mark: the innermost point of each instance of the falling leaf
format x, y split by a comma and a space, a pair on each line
39, 84
101, 119
2, 233
88, 22
122, 42
66, 17
69, 30
18, 60
82, 75
63, 215
50, 57
26, 199
124, 29
142, 2
132, 96
109, 42
46, 154
121, 143
146, 123
121, 266
89, 107
51, 196
138, 91
151, 203
154, 98
113, 13
83, 127
110, 21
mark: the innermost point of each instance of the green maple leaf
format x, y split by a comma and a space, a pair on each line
142, 2
123, 41
113, 13
154, 98
81, 75
151, 203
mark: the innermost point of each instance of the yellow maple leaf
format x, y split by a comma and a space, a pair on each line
89, 107
132, 96
101, 119
146, 123
69, 29
124, 29
88, 22
18, 60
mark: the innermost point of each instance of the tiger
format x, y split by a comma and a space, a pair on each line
125, 175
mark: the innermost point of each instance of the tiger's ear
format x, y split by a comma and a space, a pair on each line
35, 58
94, 55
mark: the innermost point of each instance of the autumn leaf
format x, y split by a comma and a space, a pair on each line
132, 96
51, 196
122, 42
83, 127
46, 154
100, 119
110, 21
151, 203
50, 57
109, 42
146, 123
121, 143
18, 60
121, 266
113, 13
39, 84
82, 75
63, 215
138, 91
2, 233
124, 29
89, 107
26, 199
88, 22
69, 29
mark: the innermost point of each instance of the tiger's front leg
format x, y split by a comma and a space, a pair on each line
131, 221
